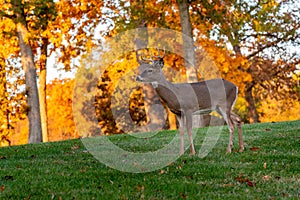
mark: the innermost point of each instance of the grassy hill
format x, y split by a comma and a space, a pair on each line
268, 169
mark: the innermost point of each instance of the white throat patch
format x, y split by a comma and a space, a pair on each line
154, 84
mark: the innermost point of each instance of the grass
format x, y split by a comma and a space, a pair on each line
268, 169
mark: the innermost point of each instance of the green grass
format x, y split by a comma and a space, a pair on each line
269, 168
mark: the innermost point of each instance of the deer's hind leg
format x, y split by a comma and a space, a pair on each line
228, 119
237, 121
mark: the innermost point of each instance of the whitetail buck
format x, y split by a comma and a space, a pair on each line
186, 99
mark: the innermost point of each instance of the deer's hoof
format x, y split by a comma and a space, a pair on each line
241, 149
228, 150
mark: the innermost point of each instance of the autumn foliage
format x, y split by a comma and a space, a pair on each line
254, 45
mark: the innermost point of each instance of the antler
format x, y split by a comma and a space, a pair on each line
146, 59
158, 57
138, 56
158, 54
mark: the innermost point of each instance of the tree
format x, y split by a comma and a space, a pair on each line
30, 19
15, 12
260, 32
70, 32
188, 42
12, 98
38, 15
13, 102
141, 14
66, 27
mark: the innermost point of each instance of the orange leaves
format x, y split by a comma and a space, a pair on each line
72, 31
59, 110
83, 7
232, 68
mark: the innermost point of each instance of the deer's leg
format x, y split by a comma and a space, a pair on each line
181, 132
231, 130
189, 125
236, 119
228, 120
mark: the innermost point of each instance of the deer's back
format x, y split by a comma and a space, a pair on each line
200, 95
214, 92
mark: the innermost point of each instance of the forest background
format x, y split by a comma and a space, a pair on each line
254, 44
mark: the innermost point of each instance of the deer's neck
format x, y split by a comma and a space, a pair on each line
169, 94
162, 83
164, 89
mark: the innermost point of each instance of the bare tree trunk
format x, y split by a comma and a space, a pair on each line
188, 42
252, 112
189, 50
35, 131
42, 90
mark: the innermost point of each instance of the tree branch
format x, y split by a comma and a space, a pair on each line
285, 38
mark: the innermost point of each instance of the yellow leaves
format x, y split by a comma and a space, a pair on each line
296, 76
89, 45
59, 108
271, 3
7, 25
83, 7
43, 57
257, 25
65, 26
279, 110
46, 33
31, 24
5, 6
56, 38
204, 11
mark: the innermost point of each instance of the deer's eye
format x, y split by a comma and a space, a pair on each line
150, 70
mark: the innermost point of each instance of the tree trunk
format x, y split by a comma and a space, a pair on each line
34, 117
42, 89
252, 112
189, 51
188, 42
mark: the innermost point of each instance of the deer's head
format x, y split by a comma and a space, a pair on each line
150, 70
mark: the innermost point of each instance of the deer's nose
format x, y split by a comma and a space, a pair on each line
138, 78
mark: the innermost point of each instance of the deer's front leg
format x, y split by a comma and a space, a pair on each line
189, 126
228, 120
181, 132
231, 132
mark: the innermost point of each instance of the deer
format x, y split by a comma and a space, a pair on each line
188, 99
